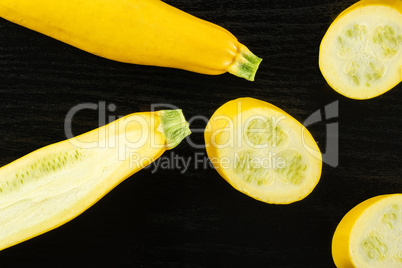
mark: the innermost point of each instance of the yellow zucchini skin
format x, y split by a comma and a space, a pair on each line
147, 32
55, 184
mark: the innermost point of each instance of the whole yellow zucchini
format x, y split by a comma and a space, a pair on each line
148, 32
54, 184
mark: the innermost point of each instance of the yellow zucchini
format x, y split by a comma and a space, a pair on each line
361, 53
147, 32
262, 151
54, 184
370, 235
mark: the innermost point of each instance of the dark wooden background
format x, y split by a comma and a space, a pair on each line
194, 218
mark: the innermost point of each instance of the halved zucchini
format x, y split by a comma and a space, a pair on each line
55, 184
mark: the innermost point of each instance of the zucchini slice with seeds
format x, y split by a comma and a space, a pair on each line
370, 235
361, 53
262, 151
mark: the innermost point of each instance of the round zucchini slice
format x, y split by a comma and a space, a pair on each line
370, 235
262, 151
360, 54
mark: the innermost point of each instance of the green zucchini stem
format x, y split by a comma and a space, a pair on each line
245, 64
175, 127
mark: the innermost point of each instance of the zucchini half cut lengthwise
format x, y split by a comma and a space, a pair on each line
56, 183
361, 53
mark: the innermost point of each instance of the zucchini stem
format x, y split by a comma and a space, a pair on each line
175, 127
245, 64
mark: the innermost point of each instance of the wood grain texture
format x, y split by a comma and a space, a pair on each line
193, 218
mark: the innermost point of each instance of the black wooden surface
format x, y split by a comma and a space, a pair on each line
193, 218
